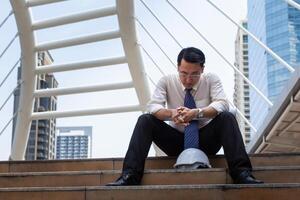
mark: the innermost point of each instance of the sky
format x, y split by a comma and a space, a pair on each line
112, 132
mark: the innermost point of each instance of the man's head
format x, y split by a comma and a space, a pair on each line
190, 63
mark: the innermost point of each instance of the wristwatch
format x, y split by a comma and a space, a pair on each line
200, 113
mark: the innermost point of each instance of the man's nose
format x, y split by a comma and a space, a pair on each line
189, 80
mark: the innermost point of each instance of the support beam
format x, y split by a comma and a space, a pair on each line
78, 40
80, 65
76, 113
28, 60
73, 18
126, 20
31, 3
81, 89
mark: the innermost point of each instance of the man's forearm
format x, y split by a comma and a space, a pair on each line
164, 114
209, 112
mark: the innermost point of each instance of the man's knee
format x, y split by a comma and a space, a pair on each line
145, 118
227, 119
227, 115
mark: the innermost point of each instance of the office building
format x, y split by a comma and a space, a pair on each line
277, 25
241, 87
41, 141
74, 142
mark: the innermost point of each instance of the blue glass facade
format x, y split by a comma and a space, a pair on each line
278, 25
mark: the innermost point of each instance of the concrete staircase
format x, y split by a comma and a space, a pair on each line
85, 180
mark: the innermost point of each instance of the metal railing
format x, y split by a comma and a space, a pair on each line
29, 47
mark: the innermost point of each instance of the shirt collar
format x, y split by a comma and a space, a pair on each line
194, 87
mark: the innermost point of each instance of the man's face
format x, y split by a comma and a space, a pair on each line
189, 73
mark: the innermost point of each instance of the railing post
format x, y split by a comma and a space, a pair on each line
28, 63
125, 10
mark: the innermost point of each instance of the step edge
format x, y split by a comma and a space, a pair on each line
153, 187
148, 158
147, 171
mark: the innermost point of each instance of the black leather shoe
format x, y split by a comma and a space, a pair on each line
247, 178
125, 179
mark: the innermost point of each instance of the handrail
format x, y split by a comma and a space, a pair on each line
31, 3
83, 39
81, 89
293, 3
80, 65
73, 18
84, 112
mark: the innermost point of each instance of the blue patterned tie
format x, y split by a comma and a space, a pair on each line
191, 134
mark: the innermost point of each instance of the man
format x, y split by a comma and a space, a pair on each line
216, 126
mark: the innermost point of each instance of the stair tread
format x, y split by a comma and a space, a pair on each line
267, 155
218, 161
147, 171
85, 179
285, 191
147, 187
151, 177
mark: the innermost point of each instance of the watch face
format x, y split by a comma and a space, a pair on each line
200, 113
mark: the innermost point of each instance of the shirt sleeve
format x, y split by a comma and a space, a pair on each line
159, 97
217, 94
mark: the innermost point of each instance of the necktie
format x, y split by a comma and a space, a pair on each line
191, 134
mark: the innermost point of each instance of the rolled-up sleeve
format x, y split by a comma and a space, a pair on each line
159, 97
217, 94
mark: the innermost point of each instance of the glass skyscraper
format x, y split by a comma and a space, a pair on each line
277, 25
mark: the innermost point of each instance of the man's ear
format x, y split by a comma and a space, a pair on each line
202, 67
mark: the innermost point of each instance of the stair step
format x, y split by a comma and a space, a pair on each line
151, 177
174, 192
290, 159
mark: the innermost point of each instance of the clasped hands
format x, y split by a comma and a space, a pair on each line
183, 115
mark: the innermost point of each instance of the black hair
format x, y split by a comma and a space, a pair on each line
191, 55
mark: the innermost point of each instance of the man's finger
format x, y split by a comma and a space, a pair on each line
181, 118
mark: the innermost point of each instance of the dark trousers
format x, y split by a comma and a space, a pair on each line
223, 131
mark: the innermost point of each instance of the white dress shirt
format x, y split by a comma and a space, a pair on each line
207, 92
